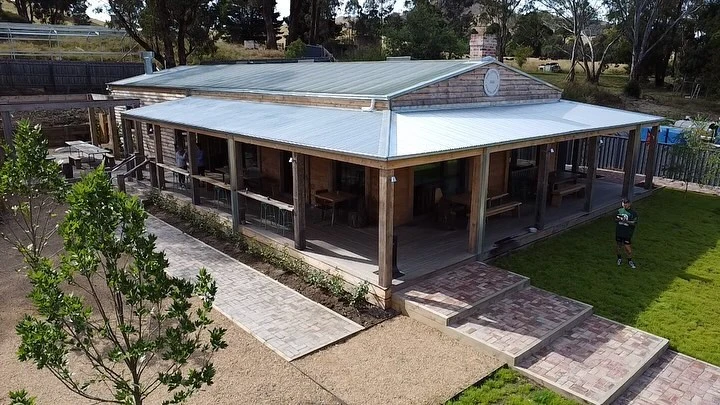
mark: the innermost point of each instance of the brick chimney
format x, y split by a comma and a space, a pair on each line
482, 44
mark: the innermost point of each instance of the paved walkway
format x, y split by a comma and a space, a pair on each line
557, 341
280, 317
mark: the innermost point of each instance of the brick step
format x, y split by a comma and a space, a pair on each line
594, 362
675, 379
521, 323
453, 293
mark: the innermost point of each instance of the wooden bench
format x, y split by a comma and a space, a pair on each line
513, 206
75, 161
577, 189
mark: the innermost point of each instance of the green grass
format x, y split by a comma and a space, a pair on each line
675, 293
507, 387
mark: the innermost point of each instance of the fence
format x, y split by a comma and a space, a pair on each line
612, 151
62, 77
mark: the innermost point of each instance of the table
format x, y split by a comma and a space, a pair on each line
334, 198
84, 148
267, 206
460, 199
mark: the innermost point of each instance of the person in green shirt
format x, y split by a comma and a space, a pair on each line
625, 222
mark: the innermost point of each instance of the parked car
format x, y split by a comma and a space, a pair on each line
553, 67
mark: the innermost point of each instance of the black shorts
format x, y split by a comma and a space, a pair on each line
622, 240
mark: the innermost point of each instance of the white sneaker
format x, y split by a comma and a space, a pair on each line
632, 264
619, 262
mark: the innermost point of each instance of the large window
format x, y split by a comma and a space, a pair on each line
251, 158
350, 178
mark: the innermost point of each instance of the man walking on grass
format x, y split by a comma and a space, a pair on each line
625, 220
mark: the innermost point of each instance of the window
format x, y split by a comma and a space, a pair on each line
250, 156
350, 178
180, 139
524, 157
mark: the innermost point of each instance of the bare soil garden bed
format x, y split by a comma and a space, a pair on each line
366, 315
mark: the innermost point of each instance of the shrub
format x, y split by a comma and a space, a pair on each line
632, 89
591, 94
212, 223
295, 50
521, 54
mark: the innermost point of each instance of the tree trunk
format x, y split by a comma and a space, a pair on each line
294, 20
268, 10
163, 15
182, 52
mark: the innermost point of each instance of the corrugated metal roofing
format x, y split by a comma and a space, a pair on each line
348, 79
389, 135
347, 131
424, 132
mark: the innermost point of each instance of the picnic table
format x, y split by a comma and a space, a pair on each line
84, 148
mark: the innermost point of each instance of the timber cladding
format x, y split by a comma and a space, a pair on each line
468, 88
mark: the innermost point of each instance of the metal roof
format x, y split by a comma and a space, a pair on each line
347, 79
347, 131
389, 134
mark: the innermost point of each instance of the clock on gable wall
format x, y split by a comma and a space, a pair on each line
491, 83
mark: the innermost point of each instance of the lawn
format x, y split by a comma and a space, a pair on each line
508, 387
675, 291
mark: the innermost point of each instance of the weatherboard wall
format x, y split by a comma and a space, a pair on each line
468, 88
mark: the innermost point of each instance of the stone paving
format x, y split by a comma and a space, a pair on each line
452, 291
594, 360
522, 321
283, 319
675, 379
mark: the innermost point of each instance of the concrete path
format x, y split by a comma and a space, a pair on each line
280, 317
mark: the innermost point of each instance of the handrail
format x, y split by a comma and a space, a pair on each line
134, 169
124, 162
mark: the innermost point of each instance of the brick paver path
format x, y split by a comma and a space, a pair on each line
522, 321
453, 291
283, 319
675, 379
595, 359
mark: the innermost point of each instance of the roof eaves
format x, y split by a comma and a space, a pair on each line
472, 65
188, 91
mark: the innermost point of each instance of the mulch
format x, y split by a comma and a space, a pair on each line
366, 315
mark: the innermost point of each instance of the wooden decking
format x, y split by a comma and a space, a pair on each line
422, 246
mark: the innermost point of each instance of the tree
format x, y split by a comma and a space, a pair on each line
313, 21
272, 23
33, 187
572, 17
694, 159
24, 9
241, 20
638, 19
110, 304
55, 11
531, 30
700, 57
295, 50
162, 26
424, 34
499, 12
594, 62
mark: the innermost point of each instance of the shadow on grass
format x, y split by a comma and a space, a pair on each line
676, 287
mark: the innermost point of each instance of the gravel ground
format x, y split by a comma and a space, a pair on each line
399, 361
247, 371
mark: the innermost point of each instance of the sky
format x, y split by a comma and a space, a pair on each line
283, 6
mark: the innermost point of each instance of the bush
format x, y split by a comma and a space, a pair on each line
632, 89
295, 50
521, 54
591, 94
